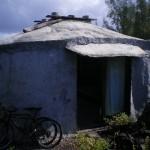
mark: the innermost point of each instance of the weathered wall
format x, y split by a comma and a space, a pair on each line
140, 70
140, 73
138, 85
44, 74
40, 74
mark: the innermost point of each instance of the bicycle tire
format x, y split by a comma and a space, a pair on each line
6, 136
57, 136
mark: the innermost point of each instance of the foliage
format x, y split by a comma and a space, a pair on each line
11, 148
147, 143
119, 119
120, 14
85, 142
101, 144
129, 17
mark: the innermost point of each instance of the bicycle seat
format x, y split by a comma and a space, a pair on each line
31, 109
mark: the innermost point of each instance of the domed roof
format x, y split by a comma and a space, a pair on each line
63, 30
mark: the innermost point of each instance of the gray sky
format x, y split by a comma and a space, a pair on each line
17, 14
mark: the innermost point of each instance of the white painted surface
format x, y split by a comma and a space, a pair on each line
63, 30
107, 50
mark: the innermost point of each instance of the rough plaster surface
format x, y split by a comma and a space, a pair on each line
42, 72
139, 77
44, 77
107, 50
62, 31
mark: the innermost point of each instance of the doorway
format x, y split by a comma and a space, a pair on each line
103, 88
91, 89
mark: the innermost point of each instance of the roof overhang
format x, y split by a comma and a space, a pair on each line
107, 50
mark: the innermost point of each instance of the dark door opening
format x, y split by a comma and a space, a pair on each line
91, 91
99, 83
117, 86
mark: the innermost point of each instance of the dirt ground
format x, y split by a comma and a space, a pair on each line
66, 144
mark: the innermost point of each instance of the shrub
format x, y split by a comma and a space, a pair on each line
85, 142
11, 148
147, 143
119, 119
101, 144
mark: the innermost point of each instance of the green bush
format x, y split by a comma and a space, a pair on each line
85, 142
147, 143
119, 119
11, 148
101, 144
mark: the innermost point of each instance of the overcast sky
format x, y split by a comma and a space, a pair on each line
17, 14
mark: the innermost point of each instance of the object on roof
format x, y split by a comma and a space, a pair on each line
76, 31
55, 15
54, 18
40, 24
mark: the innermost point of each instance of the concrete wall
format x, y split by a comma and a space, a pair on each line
40, 74
44, 74
140, 87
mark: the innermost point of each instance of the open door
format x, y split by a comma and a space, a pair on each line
91, 91
103, 89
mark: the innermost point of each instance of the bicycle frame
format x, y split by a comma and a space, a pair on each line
23, 124
28, 127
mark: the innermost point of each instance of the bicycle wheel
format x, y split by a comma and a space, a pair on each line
6, 136
58, 136
49, 133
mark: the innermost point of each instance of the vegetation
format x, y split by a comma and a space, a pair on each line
85, 142
147, 143
11, 148
119, 119
131, 17
124, 134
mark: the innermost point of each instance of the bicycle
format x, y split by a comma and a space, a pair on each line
44, 132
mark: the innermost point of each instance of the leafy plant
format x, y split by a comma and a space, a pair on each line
119, 119
85, 142
100, 144
147, 143
11, 148
129, 17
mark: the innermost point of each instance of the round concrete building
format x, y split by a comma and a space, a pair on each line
76, 71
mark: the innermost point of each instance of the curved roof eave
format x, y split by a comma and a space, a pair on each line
64, 30
107, 50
